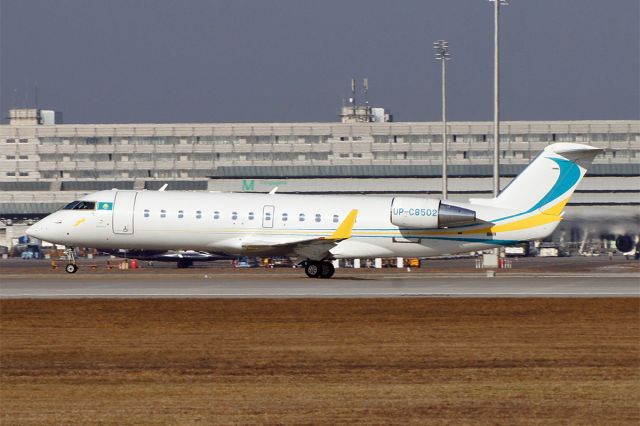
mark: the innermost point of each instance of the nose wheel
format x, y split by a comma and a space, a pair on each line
315, 269
71, 267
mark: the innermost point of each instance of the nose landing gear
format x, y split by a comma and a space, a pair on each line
71, 267
323, 269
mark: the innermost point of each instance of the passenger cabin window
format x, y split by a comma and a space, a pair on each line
336, 219
234, 215
285, 217
198, 214
216, 215
163, 213
251, 216
267, 216
180, 214
301, 217
146, 213
318, 217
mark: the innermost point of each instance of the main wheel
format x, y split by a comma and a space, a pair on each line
313, 269
71, 268
327, 270
185, 263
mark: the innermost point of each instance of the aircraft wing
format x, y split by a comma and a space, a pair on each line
311, 248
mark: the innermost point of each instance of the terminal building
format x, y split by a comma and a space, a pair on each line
45, 164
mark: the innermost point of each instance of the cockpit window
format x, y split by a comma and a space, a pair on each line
80, 205
85, 205
71, 205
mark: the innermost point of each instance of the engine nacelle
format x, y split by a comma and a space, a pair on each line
625, 243
408, 212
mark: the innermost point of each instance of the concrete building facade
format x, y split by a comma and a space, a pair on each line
44, 166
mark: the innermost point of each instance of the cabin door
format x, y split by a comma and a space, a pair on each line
267, 216
123, 212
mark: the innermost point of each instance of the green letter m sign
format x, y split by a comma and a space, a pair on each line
248, 185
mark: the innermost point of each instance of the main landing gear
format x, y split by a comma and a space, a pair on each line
315, 269
71, 267
185, 263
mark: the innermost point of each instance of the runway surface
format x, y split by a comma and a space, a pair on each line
234, 285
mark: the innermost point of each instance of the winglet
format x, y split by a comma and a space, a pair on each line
344, 230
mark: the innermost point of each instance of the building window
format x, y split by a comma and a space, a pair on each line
163, 213
11, 141
285, 217
11, 157
198, 214
251, 216
234, 215
24, 173
216, 215
146, 213
11, 173
24, 157
318, 217
336, 219
24, 140
301, 217
180, 214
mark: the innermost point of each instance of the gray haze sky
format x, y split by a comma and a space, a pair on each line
124, 61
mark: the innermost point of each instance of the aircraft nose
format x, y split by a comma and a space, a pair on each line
36, 230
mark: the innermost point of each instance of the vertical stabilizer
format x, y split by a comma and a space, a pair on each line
548, 182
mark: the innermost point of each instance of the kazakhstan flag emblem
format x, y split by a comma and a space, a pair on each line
105, 206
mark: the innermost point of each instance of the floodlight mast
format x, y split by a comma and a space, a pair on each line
496, 95
442, 54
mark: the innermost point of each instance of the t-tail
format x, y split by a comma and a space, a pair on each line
536, 197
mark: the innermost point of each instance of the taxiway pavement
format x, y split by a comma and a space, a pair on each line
234, 285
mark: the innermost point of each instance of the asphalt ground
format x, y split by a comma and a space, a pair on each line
528, 277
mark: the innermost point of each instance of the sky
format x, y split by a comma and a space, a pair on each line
163, 61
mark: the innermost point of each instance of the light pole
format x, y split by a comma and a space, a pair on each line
496, 95
442, 54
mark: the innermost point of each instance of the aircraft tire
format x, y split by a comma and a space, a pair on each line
327, 270
313, 269
184, 263
71, 268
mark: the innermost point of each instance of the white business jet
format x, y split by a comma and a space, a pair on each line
320, 228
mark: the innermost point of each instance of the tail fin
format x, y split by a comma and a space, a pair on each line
548, 182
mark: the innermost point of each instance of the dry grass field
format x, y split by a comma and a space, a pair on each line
323, 361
